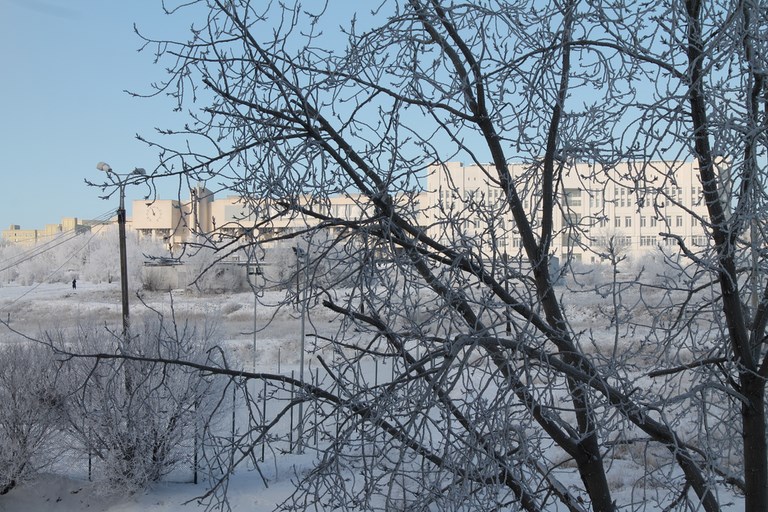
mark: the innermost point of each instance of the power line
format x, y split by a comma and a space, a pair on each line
93, 234
41, 248
54, 242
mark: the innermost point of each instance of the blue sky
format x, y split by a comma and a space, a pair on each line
63, 68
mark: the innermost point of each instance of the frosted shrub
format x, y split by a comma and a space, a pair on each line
205, 272
138, 417
101, 262
157, 279
30, 414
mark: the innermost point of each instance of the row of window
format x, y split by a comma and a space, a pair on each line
573, 197
653, 221
571, 239
573, 219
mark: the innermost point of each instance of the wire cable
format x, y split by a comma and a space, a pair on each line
93, 234
37, 250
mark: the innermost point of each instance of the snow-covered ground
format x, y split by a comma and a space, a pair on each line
34, 310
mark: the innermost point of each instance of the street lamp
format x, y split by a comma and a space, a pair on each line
505, 259
121, 180
253, 268
302, 256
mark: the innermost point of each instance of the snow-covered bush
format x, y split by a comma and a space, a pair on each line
156, 278
101, 261
30, 412
137, 417
206, 272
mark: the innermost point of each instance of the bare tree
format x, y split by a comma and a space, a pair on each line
492, 389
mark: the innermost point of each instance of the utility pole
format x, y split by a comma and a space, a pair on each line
253, 269
302, 257
506, 289
121, 180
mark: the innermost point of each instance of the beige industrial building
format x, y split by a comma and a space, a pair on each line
15, 234
598, 209
202, 216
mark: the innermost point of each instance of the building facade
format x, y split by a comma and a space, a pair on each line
632, 208
15, 234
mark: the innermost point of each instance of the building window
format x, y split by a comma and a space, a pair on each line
573, 197
642, 221
653, 222
647, 241
623, 241
627, 222
697, 198
617, 222
679, 221
571, 219
668, 221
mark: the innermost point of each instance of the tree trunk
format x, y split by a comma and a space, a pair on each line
755, 447
592, 472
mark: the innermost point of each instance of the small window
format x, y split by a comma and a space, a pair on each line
679, 221
573, 197
627, 222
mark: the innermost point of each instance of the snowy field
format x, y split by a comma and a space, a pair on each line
33, 310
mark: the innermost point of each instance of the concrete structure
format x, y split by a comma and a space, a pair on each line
172, 221
176, 222
68, 224
630, 204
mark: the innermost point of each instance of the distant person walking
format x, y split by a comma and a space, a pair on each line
74, 284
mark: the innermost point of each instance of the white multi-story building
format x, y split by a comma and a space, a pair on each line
630, 206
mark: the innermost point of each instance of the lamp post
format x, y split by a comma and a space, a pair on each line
505, 258
302, 256
121, 180
253, 268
